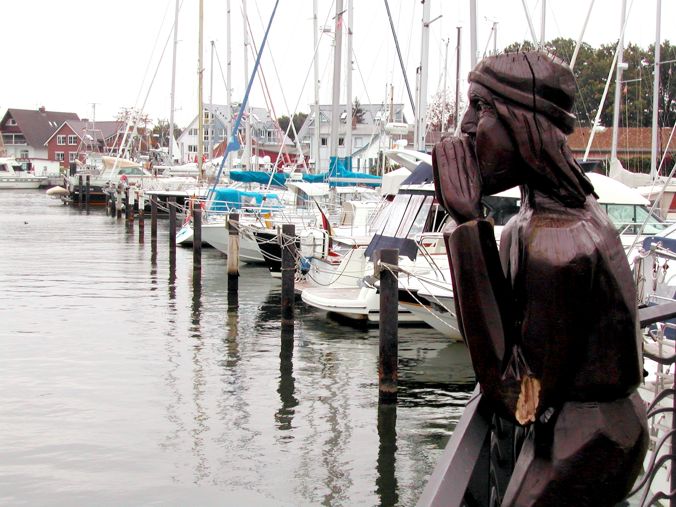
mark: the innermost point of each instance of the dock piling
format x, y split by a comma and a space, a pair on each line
288, 274
79, 191
141, 218
171, 202
87, 189
131, 200
153, 219
197, 238
118, 201
389, 321
233, 259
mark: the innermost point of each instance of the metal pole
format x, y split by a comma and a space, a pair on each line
288, 273
210, 127
228, 75
348, 86
472, 34
173, 88
422, 93
389, 317
656, 102
317, 132
618, 85
543, 18
233, 259
457, 79
200, 100
335, 97
197, 238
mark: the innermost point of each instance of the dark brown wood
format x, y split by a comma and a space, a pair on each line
87, 189
288, 274
126, 203
197, 238
233, 259
657, 313
171, 203
153, 218
79, 191
388, 350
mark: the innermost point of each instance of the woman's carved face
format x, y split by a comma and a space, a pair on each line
497, 156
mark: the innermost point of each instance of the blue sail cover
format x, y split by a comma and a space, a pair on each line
226, 199
261, 177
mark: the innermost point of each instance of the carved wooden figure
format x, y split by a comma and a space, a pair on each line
550, 319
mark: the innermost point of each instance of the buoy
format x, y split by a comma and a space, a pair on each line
57, 192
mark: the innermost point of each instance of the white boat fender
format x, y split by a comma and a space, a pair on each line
57, 192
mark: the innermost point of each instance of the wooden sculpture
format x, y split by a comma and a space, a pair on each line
550, 319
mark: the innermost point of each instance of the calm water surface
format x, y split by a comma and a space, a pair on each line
125, 380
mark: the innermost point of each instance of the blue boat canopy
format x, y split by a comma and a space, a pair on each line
227, 199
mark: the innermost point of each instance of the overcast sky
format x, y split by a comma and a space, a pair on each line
71, 54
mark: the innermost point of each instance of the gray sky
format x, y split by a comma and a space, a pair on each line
67, 55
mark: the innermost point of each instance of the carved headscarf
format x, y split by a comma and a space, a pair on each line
533, 95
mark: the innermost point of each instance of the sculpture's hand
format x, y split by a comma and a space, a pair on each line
456, 178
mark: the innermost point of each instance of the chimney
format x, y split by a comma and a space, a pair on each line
42, 109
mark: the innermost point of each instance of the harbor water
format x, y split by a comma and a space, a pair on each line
125, 379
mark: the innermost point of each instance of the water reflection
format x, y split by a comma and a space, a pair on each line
386, 482
286, 390
200, 417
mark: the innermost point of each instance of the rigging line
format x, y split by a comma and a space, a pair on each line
401, 60
233, 144
152, 51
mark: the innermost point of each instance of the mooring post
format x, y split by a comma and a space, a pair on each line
233, 259
111, 203
389, 322
118, 202
288, 273
153, 219
131, 200
141, 217
197, 238
126, 203
79, 191
87, 188
171, 202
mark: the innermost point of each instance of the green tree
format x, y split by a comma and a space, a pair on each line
298, 121
357, 111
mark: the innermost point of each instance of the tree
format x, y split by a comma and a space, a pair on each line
298, 121
357, 112
161, 132
441, 112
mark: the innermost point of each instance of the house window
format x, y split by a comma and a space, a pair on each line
59, 156
324, 141
72, 156
11, 122
192, 148
24, 153
193, 132
341, 141
61, 141
72, 140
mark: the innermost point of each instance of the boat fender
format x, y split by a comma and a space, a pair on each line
305, 264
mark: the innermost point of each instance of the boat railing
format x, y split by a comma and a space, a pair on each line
475, 466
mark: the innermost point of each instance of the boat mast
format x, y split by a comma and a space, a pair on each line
173, 88
335, 104
228, 128
318, 123
542, 23
656, 94
457, 78
472, 34
348, 87
200, 100
422, 87
210, 126
618, 84
247, 142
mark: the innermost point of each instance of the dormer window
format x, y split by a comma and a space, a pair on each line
11, 122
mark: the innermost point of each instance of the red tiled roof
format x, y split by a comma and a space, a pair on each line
629, 140
38, 125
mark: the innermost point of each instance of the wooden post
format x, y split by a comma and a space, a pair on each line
141, 218
79, 191
126, 203
288, 273
171, 202
131, 202
112, 202
87, 188
197, 238
153, 218
233, 259
118, 201
389, 317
